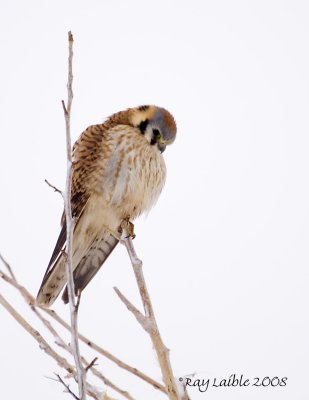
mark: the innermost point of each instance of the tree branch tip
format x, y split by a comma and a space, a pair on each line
8, 267
92, 364
67, 387
53, 187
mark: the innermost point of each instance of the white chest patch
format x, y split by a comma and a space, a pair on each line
133, 175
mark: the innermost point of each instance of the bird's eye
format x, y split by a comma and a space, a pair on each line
156, 132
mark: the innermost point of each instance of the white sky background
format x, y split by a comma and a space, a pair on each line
225, 250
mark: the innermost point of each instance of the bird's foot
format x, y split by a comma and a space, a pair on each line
126, 229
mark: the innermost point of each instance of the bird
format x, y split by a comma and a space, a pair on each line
118, 173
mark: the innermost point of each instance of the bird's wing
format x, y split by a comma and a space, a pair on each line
55, 276
92, 261
86, 152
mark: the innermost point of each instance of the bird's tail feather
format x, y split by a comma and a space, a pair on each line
91, 263
53, 283
86, 268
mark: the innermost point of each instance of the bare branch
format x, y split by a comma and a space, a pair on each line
91, 390
161, 350
107, 354
31, 301
89, 366
69, 225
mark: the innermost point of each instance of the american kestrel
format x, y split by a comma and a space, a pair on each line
118, 172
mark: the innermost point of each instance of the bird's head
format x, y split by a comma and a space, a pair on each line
156, 124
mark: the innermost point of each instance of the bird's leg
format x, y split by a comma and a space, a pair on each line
127, 226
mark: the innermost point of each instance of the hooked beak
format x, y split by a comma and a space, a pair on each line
161, 146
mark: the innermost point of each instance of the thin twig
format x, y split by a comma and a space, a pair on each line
81, 376
67, 387
150, 320
8, 267
107, 382
91, 390
53, 187
92, 364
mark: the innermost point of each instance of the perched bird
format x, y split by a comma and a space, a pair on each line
118, 172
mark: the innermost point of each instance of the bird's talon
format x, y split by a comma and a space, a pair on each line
127, 227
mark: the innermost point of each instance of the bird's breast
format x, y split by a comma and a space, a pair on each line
133, 174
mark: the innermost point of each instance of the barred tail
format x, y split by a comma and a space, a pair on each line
91, 263
94, 257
